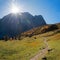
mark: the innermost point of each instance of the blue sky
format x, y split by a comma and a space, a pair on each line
49, 9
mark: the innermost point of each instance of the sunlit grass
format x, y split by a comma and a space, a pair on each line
28, 47
54, 43
20, 50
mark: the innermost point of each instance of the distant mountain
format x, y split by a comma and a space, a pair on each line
42, 29
13, 24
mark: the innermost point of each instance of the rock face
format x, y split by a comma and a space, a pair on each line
14, 24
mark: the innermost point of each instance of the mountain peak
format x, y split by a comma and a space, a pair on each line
14, 24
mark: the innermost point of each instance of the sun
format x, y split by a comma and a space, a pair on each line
14, 9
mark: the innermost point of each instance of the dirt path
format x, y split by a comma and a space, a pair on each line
42, 52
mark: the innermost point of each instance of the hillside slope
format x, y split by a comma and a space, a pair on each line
42, 29
28, 47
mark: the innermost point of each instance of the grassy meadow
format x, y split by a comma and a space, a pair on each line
20, 49
28, 47
54, 43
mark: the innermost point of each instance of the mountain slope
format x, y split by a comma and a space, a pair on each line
13, 24
27, 48
42, 29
